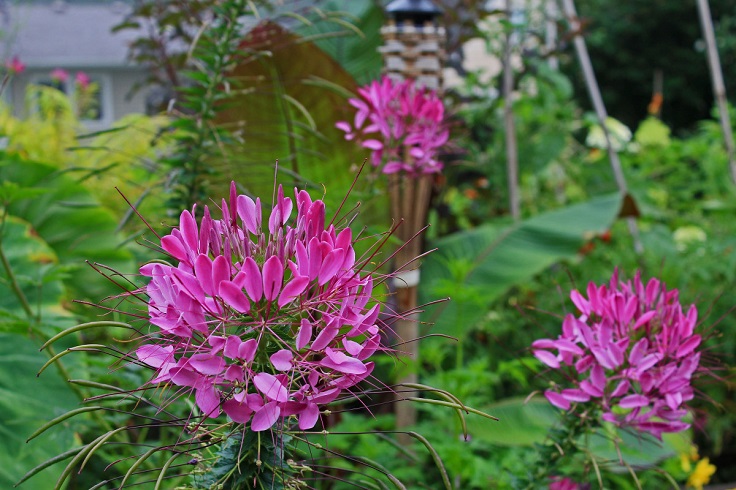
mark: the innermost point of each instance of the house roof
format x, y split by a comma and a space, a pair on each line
47, 34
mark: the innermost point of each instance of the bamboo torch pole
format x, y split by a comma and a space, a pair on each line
413, 49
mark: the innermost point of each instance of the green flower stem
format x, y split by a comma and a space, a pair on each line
563, 442
16, 287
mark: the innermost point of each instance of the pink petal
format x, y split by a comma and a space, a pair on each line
234, 297
188, 229
273, 276
207, 363
324, 338
343, 126
352, 348
155, 355
331, 265
644, 318
547, 358
342, 363
688, 346
580, 302
238, 411
208, 400
309, 416
304, 335
575, 395
634, 401
174, 247
557, 400
372, 144
247, 212
293, 288
281, 360
183, 376
203, 271
253, 281
220, 270
247, 350
271, 387
231, 346
265, 417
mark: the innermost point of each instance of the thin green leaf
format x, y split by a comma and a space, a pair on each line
85, 326
49, 462
61, 354
60, 419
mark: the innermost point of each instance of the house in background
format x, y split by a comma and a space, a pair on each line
74, 36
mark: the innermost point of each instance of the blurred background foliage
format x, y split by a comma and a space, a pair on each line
244, 102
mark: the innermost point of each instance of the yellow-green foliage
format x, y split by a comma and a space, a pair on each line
127, 157
124, 156
49, 128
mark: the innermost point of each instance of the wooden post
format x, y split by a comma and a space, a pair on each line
413, 48
719, 87
568, 7
512, 157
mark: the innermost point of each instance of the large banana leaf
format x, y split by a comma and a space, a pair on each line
66, 216
527, 422
34, 273
27, 402
290, 96
357, 53
475, 267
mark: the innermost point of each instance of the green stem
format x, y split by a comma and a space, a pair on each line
16, 287
562, 444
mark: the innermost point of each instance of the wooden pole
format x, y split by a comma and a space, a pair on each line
409, 197
568, 8
719, 87
512, 154
550, 34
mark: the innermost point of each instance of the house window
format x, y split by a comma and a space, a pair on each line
89, 94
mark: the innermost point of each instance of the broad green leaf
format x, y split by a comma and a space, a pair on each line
519, 423
525, 423
26, 403
477, 266
71, 222
281, 112
356, 53
32, 264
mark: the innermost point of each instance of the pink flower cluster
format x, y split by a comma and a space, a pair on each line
632, 350
401, 124
15, 66
261, 325
559, 483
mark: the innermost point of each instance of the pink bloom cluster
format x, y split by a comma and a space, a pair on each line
632, 350
565, 484
15, 65
261, 325
401, 124
59, 75
82, 79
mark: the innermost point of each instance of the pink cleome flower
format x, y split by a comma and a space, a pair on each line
15, 65
82, 79
559, 483
59, 75
261, 325
401, 124
632, 351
